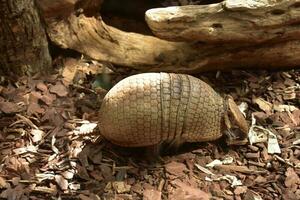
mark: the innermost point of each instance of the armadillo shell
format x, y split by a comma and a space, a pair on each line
150, 108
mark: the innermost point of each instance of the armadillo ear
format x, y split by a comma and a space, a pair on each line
237, 115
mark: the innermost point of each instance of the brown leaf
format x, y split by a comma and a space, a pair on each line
37, 135
53, 117
61, 181
296, 116
17, 164
8, 107
84, 197
3, 183
137, 188
176, 168
13, 193
106, 172
34, 97
186, 192
240, 190
83, 155
263, 104
289, 96
260, 179
42, 87
95, 155
82, 172
69, 69
292, 178
150, 194
121, 187
289, 82
48, 98
59, 89
251, 195
35, 108
96, 175
50, 190
14, 95
87, 128
15, 180
69, 174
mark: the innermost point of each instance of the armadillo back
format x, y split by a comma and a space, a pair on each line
150, 108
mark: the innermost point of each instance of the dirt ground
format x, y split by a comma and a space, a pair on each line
51, 148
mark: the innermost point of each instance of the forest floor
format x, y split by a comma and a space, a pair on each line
51, 149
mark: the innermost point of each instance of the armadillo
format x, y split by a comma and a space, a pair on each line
152, 108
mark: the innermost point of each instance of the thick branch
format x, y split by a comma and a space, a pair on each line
245, 21
94, 38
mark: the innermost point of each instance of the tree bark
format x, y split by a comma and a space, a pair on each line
231, 21
94, 38
54, 10
23, 41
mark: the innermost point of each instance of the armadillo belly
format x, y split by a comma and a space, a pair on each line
150, 108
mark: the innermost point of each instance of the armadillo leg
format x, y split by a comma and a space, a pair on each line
152, 153
173, 145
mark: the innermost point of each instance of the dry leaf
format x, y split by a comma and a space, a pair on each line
37, 135
150, 194
15, 180
3, 183
13, 193
84, 197
61, 181
121, 187
50, 190
260, 179
34, 97
176, 168
263, 104
74, 186
48, 98
82, 172
69, 174
22, 150
53, 116
106, 172
8, 107
70, 69
53, 147
282, 108
292, 178
240, 190
203, 169
59, 89
87, 128
96, 175
35, 108
184, 191
42, 87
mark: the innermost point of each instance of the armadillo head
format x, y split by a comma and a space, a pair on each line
235, 123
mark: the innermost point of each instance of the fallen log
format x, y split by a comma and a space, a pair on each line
92, 37
230, 21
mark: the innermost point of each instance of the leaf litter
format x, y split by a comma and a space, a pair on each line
51, 147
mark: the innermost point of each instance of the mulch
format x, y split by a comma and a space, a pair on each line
51, 146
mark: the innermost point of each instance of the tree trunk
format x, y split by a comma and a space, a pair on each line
92, 37
23, 41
